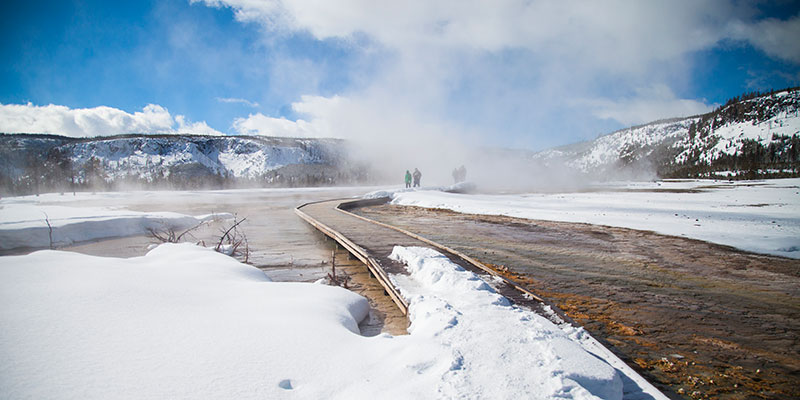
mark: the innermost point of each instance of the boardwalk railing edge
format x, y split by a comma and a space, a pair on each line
359, 253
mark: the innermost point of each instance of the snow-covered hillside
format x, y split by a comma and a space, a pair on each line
608, 151
146, 159
237, 156
760, 133
769, 121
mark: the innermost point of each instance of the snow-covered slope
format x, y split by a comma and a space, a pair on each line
764, 129
53, 160
238, 156
608, 151
767, 120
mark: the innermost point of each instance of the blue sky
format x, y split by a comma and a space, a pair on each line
129, 54
511, 73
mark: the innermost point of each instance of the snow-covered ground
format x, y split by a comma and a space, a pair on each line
186, 322
494, 344
757, 216
25, 223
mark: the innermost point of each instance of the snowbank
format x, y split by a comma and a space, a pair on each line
180, 322
499, 351
25, 224
757, 216
187, 322
461, 187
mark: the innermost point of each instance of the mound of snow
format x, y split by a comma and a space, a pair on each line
25, 224
180, 322
462, 187
187, 322
498, 351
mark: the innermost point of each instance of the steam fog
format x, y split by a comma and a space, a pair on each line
489, 169
437, 157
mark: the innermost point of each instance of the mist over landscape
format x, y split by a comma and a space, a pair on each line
753, 137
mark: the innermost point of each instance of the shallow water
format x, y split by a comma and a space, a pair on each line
280, 243
278, 240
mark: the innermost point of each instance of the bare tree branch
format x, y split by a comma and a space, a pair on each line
169, 235
49, 229
226, 234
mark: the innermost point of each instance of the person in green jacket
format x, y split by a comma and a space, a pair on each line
408, 179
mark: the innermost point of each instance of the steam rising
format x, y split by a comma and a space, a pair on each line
455, 78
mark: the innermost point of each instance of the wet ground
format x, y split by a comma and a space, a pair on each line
278, 240
698, 320
281, 244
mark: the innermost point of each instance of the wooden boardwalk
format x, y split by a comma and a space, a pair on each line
372, 242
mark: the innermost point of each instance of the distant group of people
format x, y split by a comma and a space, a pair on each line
460, 174
416, 176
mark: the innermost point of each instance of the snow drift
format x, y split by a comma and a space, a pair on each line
30, 225
490, 341
187, 322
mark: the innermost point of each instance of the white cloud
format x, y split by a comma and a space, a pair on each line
260, 124
233, 100
777, 38
196, 128
97, 121
649, 104
612, 34
321, 111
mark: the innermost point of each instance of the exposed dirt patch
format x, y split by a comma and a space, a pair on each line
699, 320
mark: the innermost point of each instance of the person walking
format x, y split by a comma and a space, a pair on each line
408, 179
417, 176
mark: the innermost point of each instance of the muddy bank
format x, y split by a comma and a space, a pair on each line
699, 320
